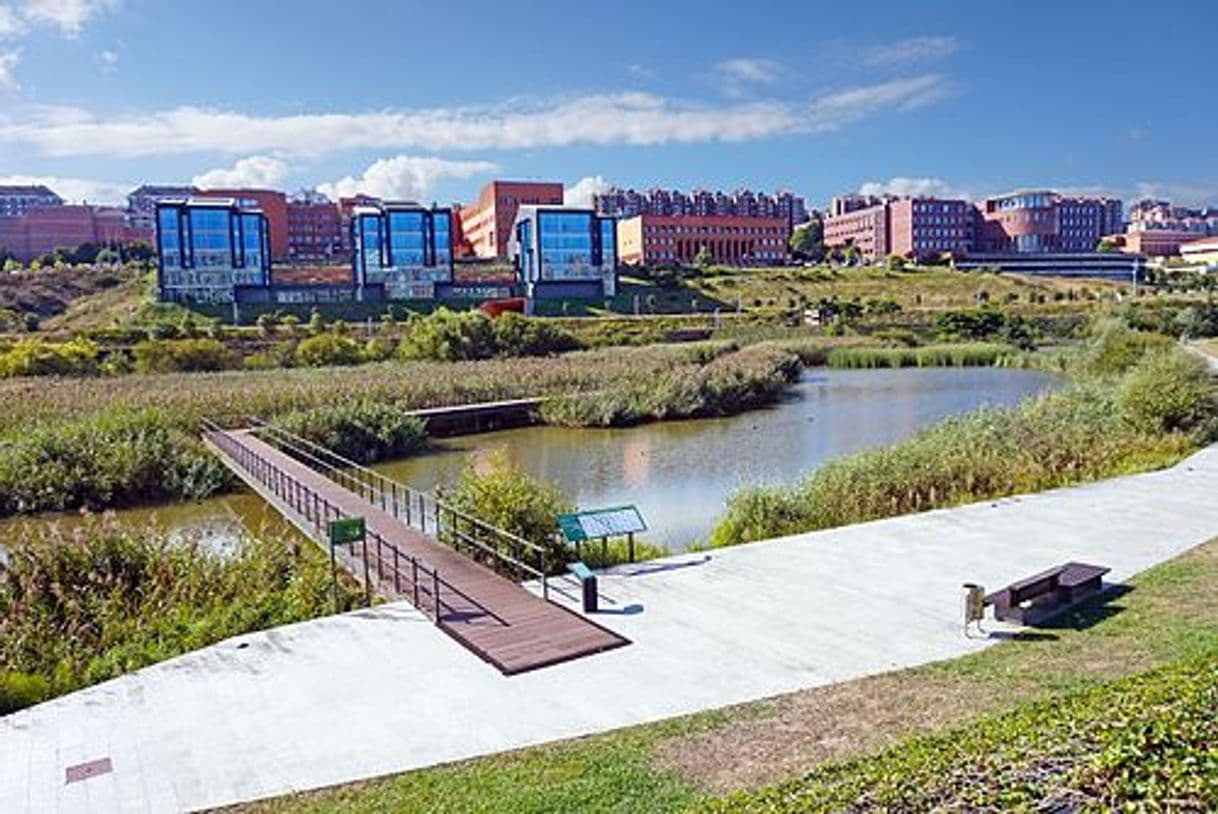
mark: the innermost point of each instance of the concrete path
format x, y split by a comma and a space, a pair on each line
383, 691
1208, 357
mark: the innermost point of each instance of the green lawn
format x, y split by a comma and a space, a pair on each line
1141, 658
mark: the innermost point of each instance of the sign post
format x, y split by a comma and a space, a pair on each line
346, 531
601, 524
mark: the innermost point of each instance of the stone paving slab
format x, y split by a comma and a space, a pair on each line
380, 691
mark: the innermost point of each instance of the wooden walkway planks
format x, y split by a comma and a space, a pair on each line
499, 620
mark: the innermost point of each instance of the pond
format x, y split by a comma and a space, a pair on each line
677, 473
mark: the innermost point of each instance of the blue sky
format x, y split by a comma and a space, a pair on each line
405, 99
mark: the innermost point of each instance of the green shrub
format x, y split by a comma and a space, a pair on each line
517, 335
328, 350
1167, 391
118, 457
21, 690
497, 491
1113, 347
33, 357
182, 355
378, 349
971, 354
446, 336
363, 431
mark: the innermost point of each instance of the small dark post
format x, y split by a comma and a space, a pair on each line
630, 546
397, 574
367, 576
334, 576
414, 579
435, 588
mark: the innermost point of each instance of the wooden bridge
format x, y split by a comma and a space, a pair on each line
446, 563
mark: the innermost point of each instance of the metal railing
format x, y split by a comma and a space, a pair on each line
506, 553
408, 575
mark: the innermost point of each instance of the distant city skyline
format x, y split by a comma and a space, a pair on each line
947, 99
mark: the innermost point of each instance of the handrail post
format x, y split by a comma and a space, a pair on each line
397, 574
414, 579
367, 576
435, 588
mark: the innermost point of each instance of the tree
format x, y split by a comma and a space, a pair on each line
703, 259
1106, 244
896, 262
807, 242
138, 251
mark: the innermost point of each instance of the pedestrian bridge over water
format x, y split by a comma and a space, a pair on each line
449, 565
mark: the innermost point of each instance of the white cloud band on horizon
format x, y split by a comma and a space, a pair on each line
904, 186
906, 52
607, 119
404, 177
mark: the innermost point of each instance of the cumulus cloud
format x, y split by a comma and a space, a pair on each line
10, 22
913, 188
622, 118
76, 190
580, 193
254, 171
404, 177
905, 52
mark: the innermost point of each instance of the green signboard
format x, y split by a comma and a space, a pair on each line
617, 521
346, 530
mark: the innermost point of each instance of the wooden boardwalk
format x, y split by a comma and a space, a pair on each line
502, 622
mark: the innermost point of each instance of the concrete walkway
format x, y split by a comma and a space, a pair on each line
383, 691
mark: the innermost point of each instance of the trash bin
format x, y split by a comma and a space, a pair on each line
590, 594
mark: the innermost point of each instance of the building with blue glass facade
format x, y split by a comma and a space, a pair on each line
564, 252
402, 251
208, 248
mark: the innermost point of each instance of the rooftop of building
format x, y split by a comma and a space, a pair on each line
26, 189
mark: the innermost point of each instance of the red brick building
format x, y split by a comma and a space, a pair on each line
487, 223
315, 229
42, 231
732, 240
909, 227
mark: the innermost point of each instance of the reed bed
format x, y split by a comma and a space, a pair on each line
968, 354
1151, 415
80, 608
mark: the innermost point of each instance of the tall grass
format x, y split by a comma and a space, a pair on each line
969, 354
1149, 416
80, 608
117, 457
726, 385
364, 431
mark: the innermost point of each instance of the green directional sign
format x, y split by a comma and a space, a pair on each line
346, 530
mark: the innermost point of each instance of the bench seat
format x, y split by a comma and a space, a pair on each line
1048, 593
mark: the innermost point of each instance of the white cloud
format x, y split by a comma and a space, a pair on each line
743, 69
69, 16
255, 171
10, 22
580, 193
404, 177
905, 52
8, 63
913, 188
622, 118
108, 60
76, 190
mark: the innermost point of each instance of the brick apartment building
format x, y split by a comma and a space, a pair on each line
626, 203
316, 228
732, 240
16, 200
487, 223
1022, 223
142, 201
43, 230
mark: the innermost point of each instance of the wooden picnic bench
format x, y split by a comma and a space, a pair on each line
1042, 595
